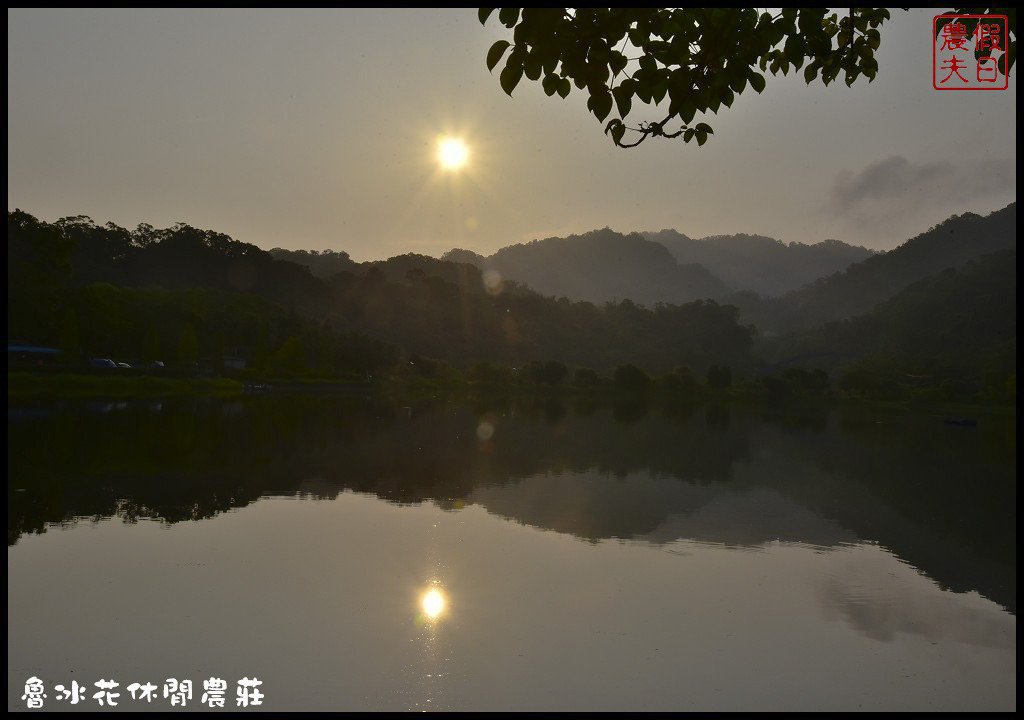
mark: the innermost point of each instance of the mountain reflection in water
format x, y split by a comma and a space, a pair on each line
941, 499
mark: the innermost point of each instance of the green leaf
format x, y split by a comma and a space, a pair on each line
510, 77
521, 35
494, 54
550, 84
616, 128
794, 49
757, 81
532, 67
810, 73
616, 61
658, 93
564, 86
702, 137
704, 128
623, 99
550, 62
484, 13
508, 16
600, 104
617, 132
844, 33
687, 110
688, 135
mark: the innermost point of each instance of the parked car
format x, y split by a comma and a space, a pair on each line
147, 364
124, 366
102, 363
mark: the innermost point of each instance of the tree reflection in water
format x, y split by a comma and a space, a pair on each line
941, 498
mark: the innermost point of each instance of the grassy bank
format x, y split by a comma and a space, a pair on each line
22, 384
26, 384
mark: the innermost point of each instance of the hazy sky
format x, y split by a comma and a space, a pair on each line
316, 129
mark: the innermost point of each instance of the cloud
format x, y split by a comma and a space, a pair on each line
895, 184
892, 199
882, 608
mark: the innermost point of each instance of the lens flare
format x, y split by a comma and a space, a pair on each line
485, 430
492, 282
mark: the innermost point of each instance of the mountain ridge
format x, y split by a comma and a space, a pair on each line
600, 266
760, 263
862, 286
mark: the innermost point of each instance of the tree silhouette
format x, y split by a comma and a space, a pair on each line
188, 346
630, 377
70, 339
719, 377
697, 58
291, 356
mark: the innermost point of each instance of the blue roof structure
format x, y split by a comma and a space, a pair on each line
37, 349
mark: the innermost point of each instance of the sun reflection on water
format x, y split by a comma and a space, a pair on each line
433, 603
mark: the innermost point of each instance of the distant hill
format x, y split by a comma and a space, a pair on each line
412, 268
858, 289
600, 266
761, 264
322, 264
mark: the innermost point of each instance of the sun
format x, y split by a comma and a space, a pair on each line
452, 153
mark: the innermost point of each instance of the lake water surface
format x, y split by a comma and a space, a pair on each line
618, 557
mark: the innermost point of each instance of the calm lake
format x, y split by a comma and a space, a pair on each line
585, 556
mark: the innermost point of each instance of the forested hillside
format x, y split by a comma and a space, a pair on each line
955, 331
186, 293
936, 314
864, 285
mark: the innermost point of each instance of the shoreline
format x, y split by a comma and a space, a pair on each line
22, 384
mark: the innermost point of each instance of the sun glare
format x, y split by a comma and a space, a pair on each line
433, 603
452, 153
